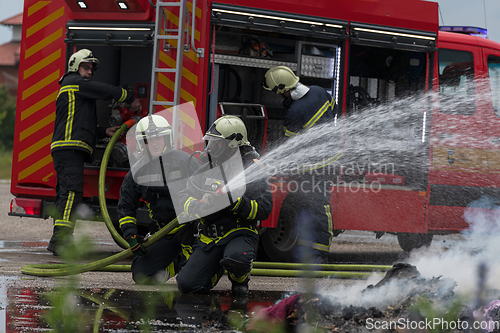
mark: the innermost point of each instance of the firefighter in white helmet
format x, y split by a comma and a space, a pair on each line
305, 107
150, 178
228, 237
74, 138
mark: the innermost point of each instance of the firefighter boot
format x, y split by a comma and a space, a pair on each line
239, 289
239, 275
62, 237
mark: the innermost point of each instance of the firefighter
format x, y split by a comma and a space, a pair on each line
306, 106
228, 237
74, 138
152, 179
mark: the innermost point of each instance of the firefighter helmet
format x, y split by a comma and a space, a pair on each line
224, 137
150, 127
280, 79
83, 55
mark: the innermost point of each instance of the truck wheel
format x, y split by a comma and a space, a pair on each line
278, 243
410, 241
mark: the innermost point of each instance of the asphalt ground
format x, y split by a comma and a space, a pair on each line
23, 241
23, 302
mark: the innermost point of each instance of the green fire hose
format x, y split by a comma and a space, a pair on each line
71, 269
282, 269
260, 268
102, 181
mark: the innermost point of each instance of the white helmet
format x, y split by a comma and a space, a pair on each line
83, 55
150, 127
280, 79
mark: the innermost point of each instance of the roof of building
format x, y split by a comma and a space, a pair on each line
14, 20
9, 53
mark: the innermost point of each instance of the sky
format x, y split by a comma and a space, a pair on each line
452, 12
477, 13
8, 8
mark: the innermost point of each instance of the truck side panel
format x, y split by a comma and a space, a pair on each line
42, 63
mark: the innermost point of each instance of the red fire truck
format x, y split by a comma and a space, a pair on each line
214, 54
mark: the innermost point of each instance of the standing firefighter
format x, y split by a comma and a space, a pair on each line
74, 138
160, 163
228, 205
305, 107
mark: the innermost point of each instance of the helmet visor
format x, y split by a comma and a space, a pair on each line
214, 145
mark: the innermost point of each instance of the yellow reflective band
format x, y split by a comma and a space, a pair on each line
71, 143
318, 114
237, 204
321, 247
170, 272
123, 96
127, 219
240, 279
214, 279
64, 223
315, 246
207, 240
187, 250
69, 205
288, 133
68, 88
253, 210
71, 115
328, 213
186, 204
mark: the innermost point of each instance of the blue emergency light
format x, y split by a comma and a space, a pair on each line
473, 31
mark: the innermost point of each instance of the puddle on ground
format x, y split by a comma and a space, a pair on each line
5, 245
113, 310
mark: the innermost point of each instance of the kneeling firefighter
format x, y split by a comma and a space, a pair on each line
147, 179
228, 206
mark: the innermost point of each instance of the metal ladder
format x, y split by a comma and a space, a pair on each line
168, 34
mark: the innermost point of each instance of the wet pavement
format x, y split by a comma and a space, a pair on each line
112, 302
112, 310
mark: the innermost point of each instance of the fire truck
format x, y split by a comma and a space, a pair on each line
214, 54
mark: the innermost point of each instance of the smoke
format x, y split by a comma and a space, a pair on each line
468, 265
480, 245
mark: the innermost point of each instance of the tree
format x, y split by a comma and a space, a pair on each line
7, 118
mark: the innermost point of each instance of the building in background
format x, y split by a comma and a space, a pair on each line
9, 54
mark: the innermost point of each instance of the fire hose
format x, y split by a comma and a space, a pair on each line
102, 181
260, 268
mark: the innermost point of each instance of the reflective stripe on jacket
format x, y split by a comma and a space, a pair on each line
75, 125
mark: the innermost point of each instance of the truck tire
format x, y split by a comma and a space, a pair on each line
277, 244
410, 241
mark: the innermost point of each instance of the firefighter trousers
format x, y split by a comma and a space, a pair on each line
206, 265
69, 166
165, 257
313, 220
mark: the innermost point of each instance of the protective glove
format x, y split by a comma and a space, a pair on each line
135, 245
193, 209
217, 199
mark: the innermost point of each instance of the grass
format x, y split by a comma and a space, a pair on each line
5, 164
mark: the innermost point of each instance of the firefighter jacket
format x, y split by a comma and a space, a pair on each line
75, 125
238, 219
315, 107
142, 181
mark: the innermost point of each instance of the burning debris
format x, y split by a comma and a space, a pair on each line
414, 303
